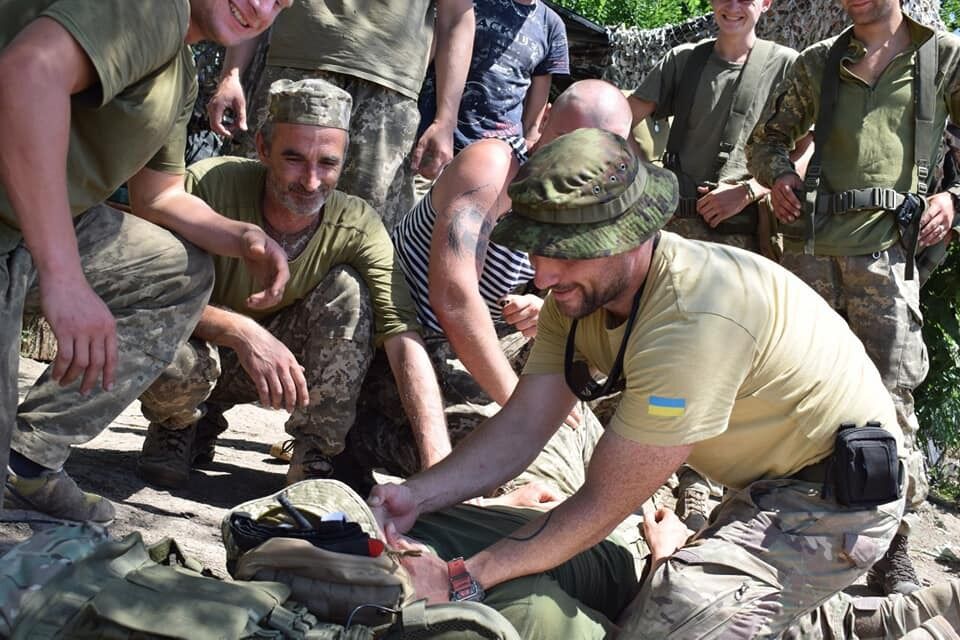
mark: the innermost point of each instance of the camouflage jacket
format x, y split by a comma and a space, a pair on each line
792, 109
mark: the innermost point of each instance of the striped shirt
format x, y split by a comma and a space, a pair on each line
503, 269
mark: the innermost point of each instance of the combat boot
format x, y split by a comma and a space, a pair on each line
55, 494
166, 455
209, 429
693, 500
308, 462
894, 572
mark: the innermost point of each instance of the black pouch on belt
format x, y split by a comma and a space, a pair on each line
865, 470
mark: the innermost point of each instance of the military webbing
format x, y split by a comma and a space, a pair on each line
924, 99
743, 96
684, 101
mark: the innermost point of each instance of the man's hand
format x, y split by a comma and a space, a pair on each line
723, 202
268, 264
522, 312
786, 205
429, 573
434, 151
394, 505
575, 418
229, 95
937, 219
275, 371
535, 495
663, 531
86, 334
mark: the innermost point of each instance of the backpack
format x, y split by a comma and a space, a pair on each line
75, 582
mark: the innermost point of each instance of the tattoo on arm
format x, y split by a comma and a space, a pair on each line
468, 233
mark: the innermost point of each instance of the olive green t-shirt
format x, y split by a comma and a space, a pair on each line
350, 233
712, 103
136, 114
384, 41
872, 139
730, 353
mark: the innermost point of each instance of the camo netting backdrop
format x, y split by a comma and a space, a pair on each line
795, 23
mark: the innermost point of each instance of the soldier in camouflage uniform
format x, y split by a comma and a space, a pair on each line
309, 353
119, 293
380, 57
646, 308
856, 259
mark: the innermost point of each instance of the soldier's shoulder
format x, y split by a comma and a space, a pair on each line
352, 211
224, 167
816, 54
948, 45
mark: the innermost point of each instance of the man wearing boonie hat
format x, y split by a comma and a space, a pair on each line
651, 311
309, 353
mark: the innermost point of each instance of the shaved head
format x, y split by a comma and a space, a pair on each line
588, 103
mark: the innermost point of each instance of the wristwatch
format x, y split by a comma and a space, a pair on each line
463, 586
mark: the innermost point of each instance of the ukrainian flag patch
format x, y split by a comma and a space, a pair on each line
666, 407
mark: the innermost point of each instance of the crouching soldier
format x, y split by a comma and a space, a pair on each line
310, 353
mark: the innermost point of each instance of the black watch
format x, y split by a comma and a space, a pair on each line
463, 586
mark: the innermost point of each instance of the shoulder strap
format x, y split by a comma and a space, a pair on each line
748, 84
689, 80
925, 107
829, 88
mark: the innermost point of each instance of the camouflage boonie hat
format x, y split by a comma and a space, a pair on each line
312, 101
585, 195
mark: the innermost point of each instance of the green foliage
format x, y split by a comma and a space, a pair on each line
950, 14
938, 398
646, 14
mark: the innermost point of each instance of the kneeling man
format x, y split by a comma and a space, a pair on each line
309, 353
728, 363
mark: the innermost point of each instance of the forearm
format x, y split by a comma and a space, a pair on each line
498, 450
222, 327
237, 58
191, 217
467, 325
420, 395
533, 107
454, 49
785, 120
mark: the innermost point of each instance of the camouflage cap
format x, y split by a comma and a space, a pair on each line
312, 101
585, 195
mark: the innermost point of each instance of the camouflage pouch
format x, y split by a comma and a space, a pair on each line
74, 582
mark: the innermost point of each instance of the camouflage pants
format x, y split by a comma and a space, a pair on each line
329, 332
383, 438
154, 284
772, 553
882, 308
383, 125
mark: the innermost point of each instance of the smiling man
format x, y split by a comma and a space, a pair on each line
95, 94
309, 353
884, 90
790, 399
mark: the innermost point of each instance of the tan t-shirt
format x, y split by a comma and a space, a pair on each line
137, 114
711, 106
730, 353
350, 233
384, 41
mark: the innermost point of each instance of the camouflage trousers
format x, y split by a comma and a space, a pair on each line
771, 554
154, 284
330, 334
882, 308
383, 438
383, 128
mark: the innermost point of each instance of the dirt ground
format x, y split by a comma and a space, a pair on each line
244, 470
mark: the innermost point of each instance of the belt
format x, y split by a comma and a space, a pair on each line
816, 472
858, 200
